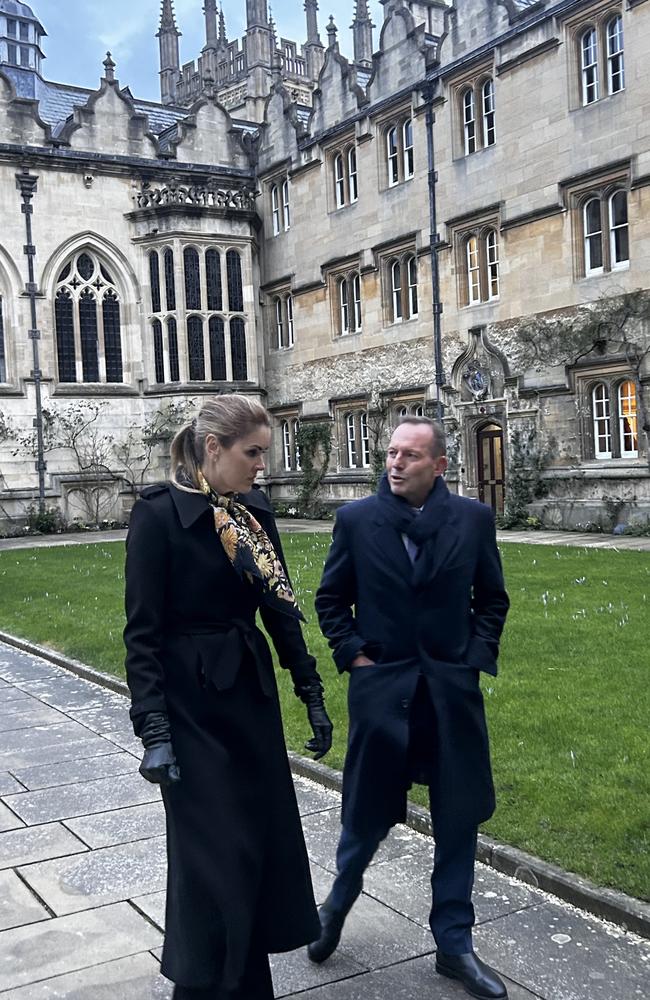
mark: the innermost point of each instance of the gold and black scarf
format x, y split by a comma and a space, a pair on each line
250, 550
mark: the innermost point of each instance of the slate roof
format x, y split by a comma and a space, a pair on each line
57, 101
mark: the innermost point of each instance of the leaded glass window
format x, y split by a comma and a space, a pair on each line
170, 281
235, 288
154, 279
213, 279
172, 340
3, 357
192, 278
65, 348
217, 349
112, 341
238, 349
88, 336
195, 351
158, 351
87, 320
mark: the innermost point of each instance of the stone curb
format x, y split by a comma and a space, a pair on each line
608, 904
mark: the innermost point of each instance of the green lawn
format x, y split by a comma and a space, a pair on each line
568, 714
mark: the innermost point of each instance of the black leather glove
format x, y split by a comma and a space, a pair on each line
311, 695
158, 763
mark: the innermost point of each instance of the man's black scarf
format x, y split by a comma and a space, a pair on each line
421, 527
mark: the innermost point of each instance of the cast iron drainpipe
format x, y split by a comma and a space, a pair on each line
428, 90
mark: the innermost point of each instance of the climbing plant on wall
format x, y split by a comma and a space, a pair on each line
314, 439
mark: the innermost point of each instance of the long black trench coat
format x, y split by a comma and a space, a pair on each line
439, 619
237, 864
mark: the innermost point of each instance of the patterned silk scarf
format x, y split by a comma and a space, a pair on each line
251, 551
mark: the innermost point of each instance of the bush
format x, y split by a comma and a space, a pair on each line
48, 521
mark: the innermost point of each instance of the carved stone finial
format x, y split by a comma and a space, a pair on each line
109, 67
332, 32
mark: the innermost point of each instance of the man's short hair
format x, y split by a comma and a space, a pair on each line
437, 430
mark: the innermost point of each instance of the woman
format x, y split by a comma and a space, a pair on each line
203, 555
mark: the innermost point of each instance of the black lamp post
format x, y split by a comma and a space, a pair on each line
428, 90
27, 185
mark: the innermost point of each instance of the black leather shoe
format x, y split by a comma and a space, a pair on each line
478, 978
331, 925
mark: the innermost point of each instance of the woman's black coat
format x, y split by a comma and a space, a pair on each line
238, 867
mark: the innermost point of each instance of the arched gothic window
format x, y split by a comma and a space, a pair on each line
87, 322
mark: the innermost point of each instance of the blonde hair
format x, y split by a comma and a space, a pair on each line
229, 418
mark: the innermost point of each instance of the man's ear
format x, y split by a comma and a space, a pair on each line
442, 465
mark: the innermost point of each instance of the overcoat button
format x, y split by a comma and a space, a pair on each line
405, 703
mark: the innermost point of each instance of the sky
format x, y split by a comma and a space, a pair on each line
81, 31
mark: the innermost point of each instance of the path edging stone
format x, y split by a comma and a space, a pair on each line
608, 904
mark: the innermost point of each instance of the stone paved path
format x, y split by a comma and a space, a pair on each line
82, 871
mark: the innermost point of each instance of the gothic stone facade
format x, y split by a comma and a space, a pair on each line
284, 248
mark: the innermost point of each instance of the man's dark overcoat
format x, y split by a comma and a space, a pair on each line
439, 618
237, 864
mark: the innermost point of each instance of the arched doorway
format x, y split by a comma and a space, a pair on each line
491, 482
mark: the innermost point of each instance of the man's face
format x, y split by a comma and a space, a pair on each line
411, 466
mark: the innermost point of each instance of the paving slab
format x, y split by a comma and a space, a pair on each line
125, 740
28, 715
412, 980
293, 973
18, 906
153, 907
82, 798
67, 944
17, 667
74, 771
564, 954
314, 798
9, 784
50, 744
107, 718
322, 831
8, 819
37, 843
96, 878
376, 936
10, 695
119, 826
67, 692
405, 884
134, 978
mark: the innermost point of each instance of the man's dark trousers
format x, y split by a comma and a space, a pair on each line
452, 914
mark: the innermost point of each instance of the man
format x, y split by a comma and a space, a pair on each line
421, 569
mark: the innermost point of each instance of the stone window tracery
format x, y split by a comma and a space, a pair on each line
213, 341
479, 264
400, 276
345, 175
600, 58
87, 322
399, 150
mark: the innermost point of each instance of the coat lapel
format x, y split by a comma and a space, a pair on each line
391, 550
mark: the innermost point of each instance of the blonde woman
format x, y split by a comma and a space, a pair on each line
203, 556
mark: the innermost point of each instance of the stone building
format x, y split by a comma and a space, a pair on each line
454, 221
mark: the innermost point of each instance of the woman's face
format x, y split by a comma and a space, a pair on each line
234, 469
